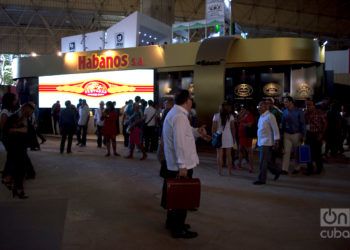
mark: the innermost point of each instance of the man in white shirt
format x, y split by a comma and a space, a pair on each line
180, 155
99, 123
268, 137
84, 116
150, 132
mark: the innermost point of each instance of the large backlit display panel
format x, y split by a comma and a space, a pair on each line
118, 86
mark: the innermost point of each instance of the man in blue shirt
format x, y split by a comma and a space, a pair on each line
293, 130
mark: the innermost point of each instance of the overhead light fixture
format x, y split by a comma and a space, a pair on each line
315, 39
139, 32
142, 41
325, 43
59, 53
33, 54
150, 36
145, 34
155, 38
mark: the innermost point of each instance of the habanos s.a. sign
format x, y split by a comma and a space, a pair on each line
104, 62
118, 86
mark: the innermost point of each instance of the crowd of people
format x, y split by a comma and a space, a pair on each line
322, 126
171, 129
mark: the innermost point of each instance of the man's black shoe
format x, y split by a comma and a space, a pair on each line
284, 172
295, 171
186, 226
185, 234
259, 182
277, 175
319, 171
308, 173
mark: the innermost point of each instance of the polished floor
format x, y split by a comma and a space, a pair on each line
86, 201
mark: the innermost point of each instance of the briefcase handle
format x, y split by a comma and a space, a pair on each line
181, 177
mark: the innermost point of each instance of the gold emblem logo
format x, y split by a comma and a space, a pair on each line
243, 90
272, 89
304, 90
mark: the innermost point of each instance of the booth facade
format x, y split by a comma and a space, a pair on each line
220, 68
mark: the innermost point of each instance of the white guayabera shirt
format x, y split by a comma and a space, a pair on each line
179, 140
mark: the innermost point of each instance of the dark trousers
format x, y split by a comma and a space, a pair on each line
175, 220
99, 135
81, 134
126, 136
151, 138
266, 162
38, 134
19, 164
6, 170
63, 141
316, 152
55, 120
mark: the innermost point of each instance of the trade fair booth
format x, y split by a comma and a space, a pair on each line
214, 70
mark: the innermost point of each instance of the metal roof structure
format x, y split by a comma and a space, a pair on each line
38, 25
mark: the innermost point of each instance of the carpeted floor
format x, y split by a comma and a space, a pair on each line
32, 225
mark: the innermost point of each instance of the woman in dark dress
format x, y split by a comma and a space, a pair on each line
135, 129
109, 130
9, 106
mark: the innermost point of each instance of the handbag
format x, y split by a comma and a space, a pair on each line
216, 140
183, 193
304, 154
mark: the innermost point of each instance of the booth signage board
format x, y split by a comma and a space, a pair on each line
118, 86
119, 40
72, 46
215, 9
103, 62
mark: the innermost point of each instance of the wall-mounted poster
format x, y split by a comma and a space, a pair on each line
118, 86
303, 82
272, 84
119, 40
272, 89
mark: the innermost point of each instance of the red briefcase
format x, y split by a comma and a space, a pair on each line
183, 193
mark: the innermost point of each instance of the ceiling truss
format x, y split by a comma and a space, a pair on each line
38, 25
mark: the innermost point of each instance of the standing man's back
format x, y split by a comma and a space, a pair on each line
181, 157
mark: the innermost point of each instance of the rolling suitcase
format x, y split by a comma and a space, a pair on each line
304, 154
183, 193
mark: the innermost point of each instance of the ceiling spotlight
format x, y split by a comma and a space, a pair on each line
139, 32
142, 41
315, 39
150, 36
33, 54
145, 34
325, 43
59, 53
155, 38
147, 42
